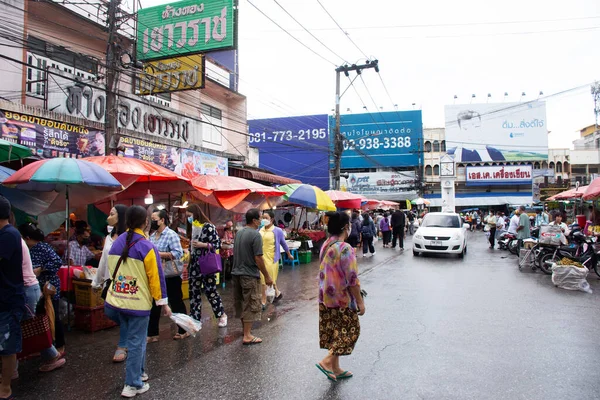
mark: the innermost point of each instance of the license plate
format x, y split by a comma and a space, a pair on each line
435, 243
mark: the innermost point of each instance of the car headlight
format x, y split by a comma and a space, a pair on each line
417, 236
456, 236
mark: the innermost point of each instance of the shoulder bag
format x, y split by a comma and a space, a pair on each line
36, 334
108, 282
209, 261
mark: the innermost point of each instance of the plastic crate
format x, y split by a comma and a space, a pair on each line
305, 257
92, 319
85, 295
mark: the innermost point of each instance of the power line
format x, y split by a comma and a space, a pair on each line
342, 29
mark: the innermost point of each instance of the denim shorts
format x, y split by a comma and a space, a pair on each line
10, 332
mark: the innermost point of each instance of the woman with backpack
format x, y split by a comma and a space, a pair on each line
386, 231
367, 233
353, 238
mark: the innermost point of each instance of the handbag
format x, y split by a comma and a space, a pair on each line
209, 262
108, 282
36, 334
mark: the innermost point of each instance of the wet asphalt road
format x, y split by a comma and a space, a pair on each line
435, 328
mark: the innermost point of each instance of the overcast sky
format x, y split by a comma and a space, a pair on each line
428, 52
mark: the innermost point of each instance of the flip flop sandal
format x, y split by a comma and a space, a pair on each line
118, 354
328, 374
181, 336
344, 375
254, 340
152, 339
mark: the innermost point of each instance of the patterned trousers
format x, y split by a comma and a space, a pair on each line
203, 283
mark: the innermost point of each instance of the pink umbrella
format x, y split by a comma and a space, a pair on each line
574, 193
345, 199
592, 191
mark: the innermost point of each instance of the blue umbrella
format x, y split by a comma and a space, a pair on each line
33, 205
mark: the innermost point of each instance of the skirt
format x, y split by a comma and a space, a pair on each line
339, 330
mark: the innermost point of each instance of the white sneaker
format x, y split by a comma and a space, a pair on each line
131, 391
223, 321
372, 254
145, 377
364, 255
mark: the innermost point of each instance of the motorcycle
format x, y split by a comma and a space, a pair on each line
504, 239
581, 249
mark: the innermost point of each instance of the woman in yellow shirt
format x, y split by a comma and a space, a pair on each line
273, 242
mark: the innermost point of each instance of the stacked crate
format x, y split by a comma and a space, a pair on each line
89, 307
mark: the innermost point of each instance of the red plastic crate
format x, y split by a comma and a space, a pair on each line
92, 319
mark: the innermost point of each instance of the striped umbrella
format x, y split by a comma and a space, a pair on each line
308, 196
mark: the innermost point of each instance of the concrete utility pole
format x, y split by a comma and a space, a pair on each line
596, 93
338, 139
112, 79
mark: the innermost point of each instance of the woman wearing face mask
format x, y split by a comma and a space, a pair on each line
169, 249
116, 226
273, 238
340, 301
206, 240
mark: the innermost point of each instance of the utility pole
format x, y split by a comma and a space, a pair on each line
338, 139
112, 79
595, 89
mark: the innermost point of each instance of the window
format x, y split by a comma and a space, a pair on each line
436, 146
536, 165
441, 221
559, 167
212, 130
427, 147
428, 170
436, 169
551, 166
443, 148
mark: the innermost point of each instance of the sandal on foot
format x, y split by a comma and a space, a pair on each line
120, 356
344, 375
181, 336
255, 340
329, 374
52, 365
152, 339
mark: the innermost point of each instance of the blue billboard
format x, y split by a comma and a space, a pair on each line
294, 147
386, 139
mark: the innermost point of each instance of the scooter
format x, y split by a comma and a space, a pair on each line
505, 239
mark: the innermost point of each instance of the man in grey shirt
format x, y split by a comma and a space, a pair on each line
247, 266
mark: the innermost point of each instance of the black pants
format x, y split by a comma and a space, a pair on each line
398, 234
387, 235
176, 303
492, 236
352, 240
59, 332
367, 245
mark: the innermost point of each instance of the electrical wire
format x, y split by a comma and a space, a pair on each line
342, 29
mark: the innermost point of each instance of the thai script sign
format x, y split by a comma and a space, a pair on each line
157, 153
185, 27
51, 139
172, 75
87, 100
382, 185
500, 175
195, 163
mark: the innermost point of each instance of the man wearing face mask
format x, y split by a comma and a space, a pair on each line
79, 251
273, 242
169, 249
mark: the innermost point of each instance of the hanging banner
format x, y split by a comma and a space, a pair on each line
51, 139
382, 185
157, 153
185, 27
172, 75
195, 163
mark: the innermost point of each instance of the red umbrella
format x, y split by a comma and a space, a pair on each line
574, 193
592, 191
139, 177
229, 191
345, 199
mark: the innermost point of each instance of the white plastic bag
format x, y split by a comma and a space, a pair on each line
186, 322
570, 277
270, 293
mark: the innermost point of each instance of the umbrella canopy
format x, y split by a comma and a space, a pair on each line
139, 176
592, 191
229, 191
420, 201
389, 204
83, 182
574, 193
345, 199
11, 151
308, 196
33, 204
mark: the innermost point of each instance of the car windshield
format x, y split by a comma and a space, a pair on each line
441, 221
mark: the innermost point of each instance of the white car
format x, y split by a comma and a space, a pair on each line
441, 233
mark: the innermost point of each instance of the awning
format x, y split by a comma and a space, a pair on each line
260, 176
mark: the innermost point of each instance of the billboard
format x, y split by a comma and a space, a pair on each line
51, 139
500, 175
382, 185
388, 139
497, 132
294, 147
183, 28
157, 153
195, 163
172, 75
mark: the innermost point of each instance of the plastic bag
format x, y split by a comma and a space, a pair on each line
570, 277
186, 322
270, 293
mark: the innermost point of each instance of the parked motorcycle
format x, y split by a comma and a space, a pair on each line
581, 249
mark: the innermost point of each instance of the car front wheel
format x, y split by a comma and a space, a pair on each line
462, 254
415, 253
